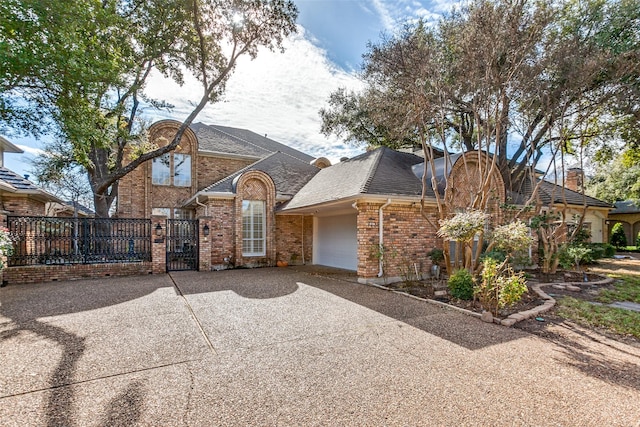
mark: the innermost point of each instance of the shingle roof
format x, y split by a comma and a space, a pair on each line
550, 193
382, 172
388, 172
287, 172
16, 181
241, 142
19, 184
626, 206
82, 209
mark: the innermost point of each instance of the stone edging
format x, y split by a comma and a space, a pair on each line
512, 319
549, 303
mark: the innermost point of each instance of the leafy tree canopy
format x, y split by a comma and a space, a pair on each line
498, 75
79, 69
617, 179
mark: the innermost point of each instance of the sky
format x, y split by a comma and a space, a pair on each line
280, 94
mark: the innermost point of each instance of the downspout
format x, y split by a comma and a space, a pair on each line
381, 236
206, 208
303, 263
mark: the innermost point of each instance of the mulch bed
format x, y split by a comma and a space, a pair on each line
427, 288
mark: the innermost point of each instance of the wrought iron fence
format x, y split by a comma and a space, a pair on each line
53, 240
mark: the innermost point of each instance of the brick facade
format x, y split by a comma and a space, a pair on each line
137, 195
211, 169
407, 238
294, 238
53, 273
22, 205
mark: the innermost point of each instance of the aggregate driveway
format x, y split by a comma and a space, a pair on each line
283, 347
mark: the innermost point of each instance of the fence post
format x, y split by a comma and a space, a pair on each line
158, 244
205, 227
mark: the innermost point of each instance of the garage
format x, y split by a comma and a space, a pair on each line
336, 241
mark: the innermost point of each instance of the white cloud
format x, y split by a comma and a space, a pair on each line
30, 150
386, 14
278, 94
394, 13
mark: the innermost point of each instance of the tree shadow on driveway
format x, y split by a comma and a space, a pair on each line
25, 310
266, 283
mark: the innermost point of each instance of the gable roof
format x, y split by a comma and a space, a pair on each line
550, 193
391, 173
240, 142
288, 173
14, 183
379, 172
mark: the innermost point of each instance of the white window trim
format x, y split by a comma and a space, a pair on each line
264, 227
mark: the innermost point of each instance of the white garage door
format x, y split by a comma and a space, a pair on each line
336, 243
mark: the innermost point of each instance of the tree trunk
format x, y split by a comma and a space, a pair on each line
101, 205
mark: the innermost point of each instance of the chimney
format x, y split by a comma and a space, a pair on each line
575, 180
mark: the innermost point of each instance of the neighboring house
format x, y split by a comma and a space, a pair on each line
628, 214
18, 195
69, 208
595, 211
263, 201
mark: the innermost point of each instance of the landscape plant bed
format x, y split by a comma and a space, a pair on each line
530, 299
426, 289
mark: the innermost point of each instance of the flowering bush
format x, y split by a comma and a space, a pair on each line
512, 237
6, 246
463, 226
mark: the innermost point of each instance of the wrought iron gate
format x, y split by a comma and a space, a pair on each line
182, 244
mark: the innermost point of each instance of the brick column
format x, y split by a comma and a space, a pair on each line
204, 246
159, 245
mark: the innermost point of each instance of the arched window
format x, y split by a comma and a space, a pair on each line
253, 228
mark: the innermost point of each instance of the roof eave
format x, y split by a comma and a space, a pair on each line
358, 198
230, 155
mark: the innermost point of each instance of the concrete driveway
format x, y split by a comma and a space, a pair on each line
283, 347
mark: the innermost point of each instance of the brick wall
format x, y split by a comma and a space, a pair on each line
221, 233
407, 237
211, 169
137, 195
294, 238
17, 205
52, 273
575, 179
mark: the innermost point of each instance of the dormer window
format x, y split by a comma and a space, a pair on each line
162, 168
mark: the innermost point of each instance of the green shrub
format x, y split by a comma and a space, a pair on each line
499, 286
461, 284
618, 238
437, 256
638, 239
597, 251
497, 255
601, 250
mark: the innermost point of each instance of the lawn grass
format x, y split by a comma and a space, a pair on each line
624, 322
627, 288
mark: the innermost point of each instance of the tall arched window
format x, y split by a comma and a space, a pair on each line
253, 228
